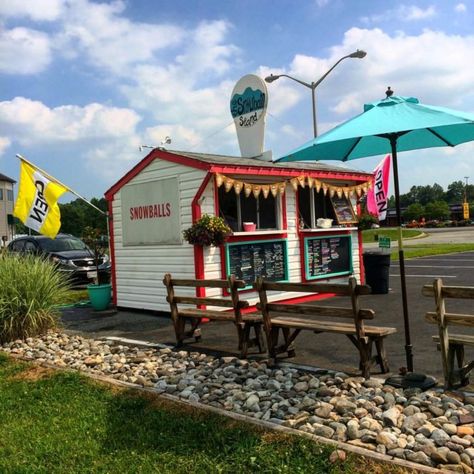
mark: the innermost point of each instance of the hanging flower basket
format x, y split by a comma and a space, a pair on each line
208, 230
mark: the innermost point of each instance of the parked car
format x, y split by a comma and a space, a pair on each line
72, 256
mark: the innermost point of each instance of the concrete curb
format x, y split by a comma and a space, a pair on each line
243, 418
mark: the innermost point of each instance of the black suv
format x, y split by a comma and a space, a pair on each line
72, 256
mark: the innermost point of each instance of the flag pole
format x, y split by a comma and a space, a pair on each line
62, 184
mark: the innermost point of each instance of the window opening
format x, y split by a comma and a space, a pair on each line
236, 209
312, 205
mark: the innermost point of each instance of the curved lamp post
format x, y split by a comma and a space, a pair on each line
356, 54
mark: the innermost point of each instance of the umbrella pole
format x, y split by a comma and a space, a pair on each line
401, 258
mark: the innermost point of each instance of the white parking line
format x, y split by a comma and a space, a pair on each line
407, 265
425, 276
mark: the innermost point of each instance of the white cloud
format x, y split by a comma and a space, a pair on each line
402, 13
322, 3
413, 13
31, 122
110, 41
112, 159
24, 51
4, 144
39, 10
460, 8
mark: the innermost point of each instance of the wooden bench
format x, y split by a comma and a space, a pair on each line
243, 322
306, 317
451, 345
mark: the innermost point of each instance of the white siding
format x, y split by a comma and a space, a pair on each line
140, 269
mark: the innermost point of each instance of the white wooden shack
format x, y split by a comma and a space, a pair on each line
152, 204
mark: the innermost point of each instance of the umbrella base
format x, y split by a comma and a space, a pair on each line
412, 380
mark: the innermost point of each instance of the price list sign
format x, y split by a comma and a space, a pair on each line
328, 256
266, 258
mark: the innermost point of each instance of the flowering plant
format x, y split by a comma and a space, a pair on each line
208, 230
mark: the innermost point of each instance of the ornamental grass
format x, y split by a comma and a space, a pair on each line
30, 288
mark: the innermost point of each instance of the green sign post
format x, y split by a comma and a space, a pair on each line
385, 242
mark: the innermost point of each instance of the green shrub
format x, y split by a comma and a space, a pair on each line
208, 230
30, 287
366, 221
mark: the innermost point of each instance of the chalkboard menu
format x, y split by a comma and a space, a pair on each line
328, 256
248, 260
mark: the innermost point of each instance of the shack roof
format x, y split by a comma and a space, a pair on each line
6, 178
238, 165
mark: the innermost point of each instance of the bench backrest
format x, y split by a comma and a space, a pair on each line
231, 284
351, 289
440, 293
443, 319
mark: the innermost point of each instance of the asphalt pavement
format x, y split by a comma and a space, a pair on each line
318, 350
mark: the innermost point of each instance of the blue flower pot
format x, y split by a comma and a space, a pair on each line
100, 295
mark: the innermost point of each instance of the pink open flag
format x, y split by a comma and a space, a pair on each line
377, 197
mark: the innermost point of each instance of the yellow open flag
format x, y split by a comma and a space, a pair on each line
37, 202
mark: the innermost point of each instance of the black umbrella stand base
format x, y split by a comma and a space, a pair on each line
412, 380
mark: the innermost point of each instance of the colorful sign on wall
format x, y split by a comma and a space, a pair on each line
248, 106
150, 213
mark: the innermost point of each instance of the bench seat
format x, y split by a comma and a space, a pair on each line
458, 339
217, 315
329, 326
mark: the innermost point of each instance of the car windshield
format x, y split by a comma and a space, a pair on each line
62, 244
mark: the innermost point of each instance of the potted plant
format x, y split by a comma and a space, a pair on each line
99, 292
208, 230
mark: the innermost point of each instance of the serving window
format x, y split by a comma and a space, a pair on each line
313, 205
264, 212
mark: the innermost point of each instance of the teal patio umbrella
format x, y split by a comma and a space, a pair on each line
388, 126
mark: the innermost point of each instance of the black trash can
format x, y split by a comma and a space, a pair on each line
377, 268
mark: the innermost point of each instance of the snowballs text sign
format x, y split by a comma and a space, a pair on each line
150, 213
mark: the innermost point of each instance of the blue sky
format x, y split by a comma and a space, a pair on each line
83, 83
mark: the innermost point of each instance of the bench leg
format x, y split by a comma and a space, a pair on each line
450, 363
365, 350
462, 370
381, 355
272, 341
259, 338
245, 341
289, 342
179, 326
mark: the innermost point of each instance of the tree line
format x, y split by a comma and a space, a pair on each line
432, 202
76, 216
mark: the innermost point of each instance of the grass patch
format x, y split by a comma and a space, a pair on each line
75, 296
413, 251
369, 235
62, 422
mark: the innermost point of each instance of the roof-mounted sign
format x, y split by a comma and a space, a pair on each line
248, 106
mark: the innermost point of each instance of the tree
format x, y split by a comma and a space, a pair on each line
455, 192
414, 212
437, 210
77, 215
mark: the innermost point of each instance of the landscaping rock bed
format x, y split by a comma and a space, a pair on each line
432, 428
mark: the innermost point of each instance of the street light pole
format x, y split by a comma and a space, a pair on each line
356, 54
465, 189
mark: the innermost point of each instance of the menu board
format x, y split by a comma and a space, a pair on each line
328, 256
343, 210
266, 258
